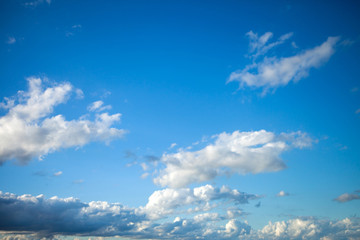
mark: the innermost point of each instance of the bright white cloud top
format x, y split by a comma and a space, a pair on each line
273, 72
30, 130
237, 152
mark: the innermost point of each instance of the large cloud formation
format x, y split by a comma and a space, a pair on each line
273, 72
35, 217
29, 130
237, 152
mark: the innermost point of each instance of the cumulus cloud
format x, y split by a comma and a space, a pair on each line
67, 216
311, 228
273, 72
36, 217
237, 152
346, 197
29, 129
164, 202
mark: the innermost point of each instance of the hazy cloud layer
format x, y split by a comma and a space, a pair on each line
29, 129
39, 217
237, 152
273, 72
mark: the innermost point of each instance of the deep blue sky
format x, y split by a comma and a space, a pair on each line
165, 66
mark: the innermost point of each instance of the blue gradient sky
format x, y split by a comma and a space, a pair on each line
165, 66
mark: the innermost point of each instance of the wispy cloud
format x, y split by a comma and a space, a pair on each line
272, 72
237, 152
29, 130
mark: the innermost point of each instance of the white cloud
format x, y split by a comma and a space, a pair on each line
282, 194
164, 202
346, 197
311, 228
58, 173
35, 217
29, 130
273, 72
237, 152
259, 46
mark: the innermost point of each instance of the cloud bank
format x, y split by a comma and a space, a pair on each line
29, 129
35, 217
273, 72
237, 152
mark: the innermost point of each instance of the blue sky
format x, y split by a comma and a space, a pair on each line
179, 119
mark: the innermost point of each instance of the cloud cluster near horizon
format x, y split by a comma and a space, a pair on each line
45, 218
29, 129
273, 72
237, 152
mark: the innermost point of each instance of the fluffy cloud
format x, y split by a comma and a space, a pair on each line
164, 202
272, 72
29, 130
35, 217
311, 228
346, 197
237, 152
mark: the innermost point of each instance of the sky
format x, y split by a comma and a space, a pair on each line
179, 119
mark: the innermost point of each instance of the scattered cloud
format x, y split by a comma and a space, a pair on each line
11, 40
282, 194
58, 173
273, 72
357, 111
347, 197
29, 130
237, 152
36, 217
